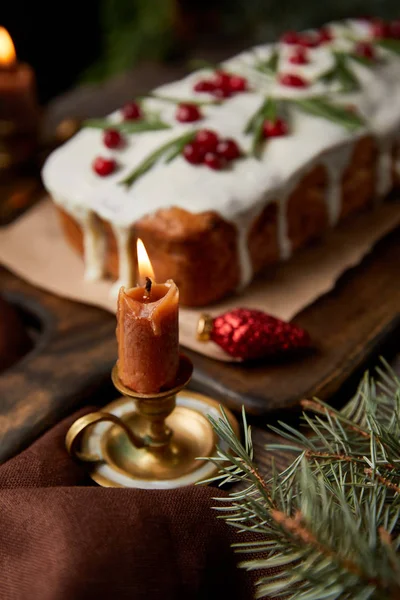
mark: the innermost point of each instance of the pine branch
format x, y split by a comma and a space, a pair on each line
328, 524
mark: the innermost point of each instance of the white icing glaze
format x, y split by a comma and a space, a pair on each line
94, 247
126, 267
335, 163
239, 193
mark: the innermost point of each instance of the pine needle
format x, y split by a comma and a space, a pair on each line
328, 525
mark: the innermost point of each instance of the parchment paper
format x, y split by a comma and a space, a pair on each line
34, 248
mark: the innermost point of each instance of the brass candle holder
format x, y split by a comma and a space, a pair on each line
154, 441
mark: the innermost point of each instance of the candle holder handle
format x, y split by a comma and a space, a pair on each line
76, 431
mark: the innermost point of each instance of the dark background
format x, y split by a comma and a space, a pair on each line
91, 40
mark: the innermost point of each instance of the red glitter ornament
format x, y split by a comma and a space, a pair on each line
249, 334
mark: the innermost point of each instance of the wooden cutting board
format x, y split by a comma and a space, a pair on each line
76, 349
350, 327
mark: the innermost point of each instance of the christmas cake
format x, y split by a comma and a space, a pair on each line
238, 165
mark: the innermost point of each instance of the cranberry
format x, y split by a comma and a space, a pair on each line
291, 80
131, 111
275, 128
112, 138
290, 37
237, 83
187, 113
395, 29
213, 161
228, 149
104, 166
309, 41
380, 29
221, 79
207, 139
299, 57
204, 85
325, 35
193, 153
365, 50
222, 92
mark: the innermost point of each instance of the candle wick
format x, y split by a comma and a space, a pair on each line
148, 285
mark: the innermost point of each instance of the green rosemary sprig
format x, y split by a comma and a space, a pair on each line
170, 150
173, 100
328, 526
269, 110
341, 73
362, 60
391, 45
321, 107
139, 126
269, 66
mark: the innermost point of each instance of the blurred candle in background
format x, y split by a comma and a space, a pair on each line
19, 110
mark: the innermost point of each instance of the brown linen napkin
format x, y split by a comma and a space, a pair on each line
62, 538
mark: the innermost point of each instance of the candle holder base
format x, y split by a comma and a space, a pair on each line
149, 443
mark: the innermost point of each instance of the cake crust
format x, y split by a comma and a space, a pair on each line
336, 152
199, 251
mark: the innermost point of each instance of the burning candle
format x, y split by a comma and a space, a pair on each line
147, 331
19, 112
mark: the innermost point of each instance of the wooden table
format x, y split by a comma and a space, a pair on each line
42, 389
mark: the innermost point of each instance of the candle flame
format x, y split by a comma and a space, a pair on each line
144, 264
7, 50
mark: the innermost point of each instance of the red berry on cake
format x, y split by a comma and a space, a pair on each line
228, 149
204, 85
193, 153
276, 128
291, 80
222, 92
237, 83
213, 161
104, 166
395, 29
380, 29
221, 79
207, 139
311, 40
187, 113
365, 50
131, 111
290, 37
112, 138
325, 35
299, 57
